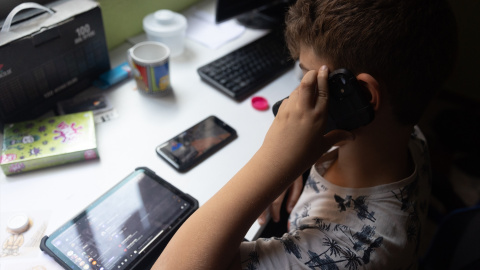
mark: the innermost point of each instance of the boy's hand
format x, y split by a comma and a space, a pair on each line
295, 139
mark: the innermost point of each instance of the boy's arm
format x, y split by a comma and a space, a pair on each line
211, 237
292, 195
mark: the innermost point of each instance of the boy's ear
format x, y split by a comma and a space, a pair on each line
371, 85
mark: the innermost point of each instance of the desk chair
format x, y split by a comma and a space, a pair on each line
456, 244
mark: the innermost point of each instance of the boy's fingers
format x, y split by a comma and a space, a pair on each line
275, 207
322, 86
312, 88
273, 211
262, 219
307, 90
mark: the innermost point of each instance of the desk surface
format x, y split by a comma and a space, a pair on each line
58, 193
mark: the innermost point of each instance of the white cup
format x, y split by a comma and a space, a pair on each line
167, 27
149, 63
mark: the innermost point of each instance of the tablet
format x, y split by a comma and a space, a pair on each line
117, 231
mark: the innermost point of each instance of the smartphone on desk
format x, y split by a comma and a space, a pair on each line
196, 143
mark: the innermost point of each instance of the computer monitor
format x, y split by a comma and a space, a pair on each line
258, 14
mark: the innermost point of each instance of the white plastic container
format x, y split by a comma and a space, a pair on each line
167, 27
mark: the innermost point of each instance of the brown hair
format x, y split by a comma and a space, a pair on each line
409, 46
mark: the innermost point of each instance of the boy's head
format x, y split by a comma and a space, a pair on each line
408, 46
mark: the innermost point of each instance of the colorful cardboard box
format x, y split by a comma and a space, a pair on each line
52, 141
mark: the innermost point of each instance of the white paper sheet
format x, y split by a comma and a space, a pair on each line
203, 29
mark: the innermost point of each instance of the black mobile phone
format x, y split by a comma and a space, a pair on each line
348, 103
196, 143
124, 227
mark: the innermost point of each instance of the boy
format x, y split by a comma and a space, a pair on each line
365, 202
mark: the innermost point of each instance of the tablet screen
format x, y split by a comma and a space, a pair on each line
117, 228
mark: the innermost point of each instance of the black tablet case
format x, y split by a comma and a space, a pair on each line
149, 258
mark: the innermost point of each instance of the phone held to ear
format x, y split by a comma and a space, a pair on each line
348, 103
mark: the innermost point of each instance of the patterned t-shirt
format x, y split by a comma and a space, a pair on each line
333, 227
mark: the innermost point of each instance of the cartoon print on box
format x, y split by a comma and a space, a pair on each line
48, 142
67, 132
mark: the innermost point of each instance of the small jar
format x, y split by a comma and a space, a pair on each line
167, 27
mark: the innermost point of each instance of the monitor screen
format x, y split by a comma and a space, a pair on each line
264, 14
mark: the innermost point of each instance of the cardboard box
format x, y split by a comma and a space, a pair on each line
50, 57
52, 141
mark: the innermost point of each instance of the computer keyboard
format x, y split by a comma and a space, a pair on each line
244, 71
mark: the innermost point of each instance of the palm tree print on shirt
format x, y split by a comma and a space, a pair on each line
306, 209
253, 261
413, 223
290, 246
337, 255
312, 184
359, 205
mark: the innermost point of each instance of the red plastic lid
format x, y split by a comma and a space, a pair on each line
260, 103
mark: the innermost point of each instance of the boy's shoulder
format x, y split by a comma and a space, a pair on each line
377, 227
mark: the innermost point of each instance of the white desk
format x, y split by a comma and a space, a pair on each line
143, 122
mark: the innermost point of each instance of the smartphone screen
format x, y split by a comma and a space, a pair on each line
196, 143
